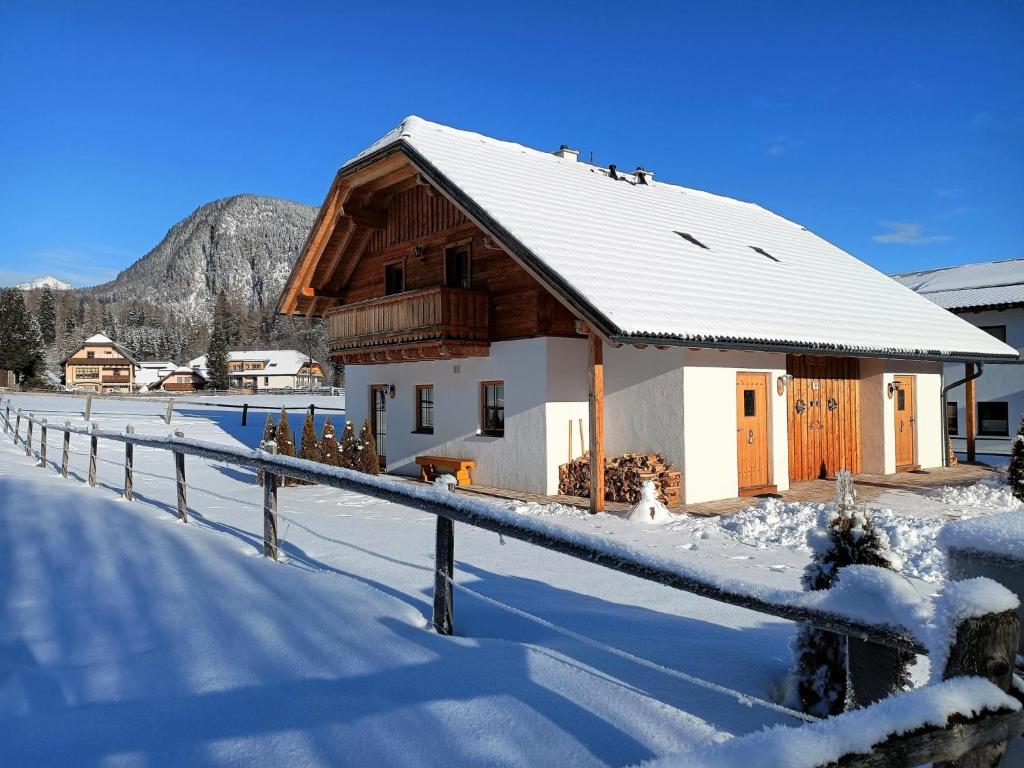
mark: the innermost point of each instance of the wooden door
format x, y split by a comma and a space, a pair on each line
753, 435
379, 420
905, 421
824, 416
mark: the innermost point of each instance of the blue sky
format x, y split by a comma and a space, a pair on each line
895, 130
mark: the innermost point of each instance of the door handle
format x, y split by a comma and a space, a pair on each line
750, 436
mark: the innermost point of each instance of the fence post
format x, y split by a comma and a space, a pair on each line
42, 443
170, 410
17, 426
269, 506
245, 413
129, 460
67, 451
984, 646
444, 568
28, 439
88, 407
7, 418
93, 444
179, 474
312, 410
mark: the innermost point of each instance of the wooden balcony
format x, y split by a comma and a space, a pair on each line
428, 324
111, 379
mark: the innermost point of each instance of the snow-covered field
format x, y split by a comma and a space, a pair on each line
131, 639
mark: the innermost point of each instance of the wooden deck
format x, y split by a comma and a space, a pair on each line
869, 487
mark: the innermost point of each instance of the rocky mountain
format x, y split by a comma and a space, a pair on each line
42, 282
244, 245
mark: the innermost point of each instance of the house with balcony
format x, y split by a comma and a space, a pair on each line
266, 369
983, 413
100, 365
516, 308
181, 379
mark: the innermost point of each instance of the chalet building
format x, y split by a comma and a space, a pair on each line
151, 372
268, 369
100, 365
515, 307
181, 379
982, 414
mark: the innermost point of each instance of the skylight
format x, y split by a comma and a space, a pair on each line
763, 252
690, 238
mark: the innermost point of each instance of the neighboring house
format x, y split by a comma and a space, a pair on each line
989, 295
268, 369
517, 307
100, 365
152, 371
181, 379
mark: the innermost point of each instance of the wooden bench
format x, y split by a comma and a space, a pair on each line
432, 467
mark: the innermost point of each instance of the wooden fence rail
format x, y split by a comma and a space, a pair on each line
984, 646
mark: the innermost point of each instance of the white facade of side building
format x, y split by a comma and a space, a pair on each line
999, 383
677, 402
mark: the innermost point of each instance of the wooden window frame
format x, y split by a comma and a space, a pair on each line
483, 408
981, 431
956, 418
80, 374
396, 261
466, 244
420, 428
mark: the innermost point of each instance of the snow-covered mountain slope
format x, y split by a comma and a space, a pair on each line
42, 282
244, 245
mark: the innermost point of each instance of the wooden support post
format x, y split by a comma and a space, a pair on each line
88, 407
245, 413
42, 443
596, 398
270, 506
312, 408
7, 419
872, 672
179, 474
28, 438
444, 569
971, 407
129, 465
170, 410
17, 426
66, 455
984, 646
93, 443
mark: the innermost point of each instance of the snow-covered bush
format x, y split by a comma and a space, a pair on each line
330, 451
285, 442
367, 460
1015, 475
349, 452
269, 435
848, 538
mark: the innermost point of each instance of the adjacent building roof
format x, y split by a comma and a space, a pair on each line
643, 260
99, 340
988, 285
278, 362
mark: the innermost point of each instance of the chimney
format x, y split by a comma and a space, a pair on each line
643, 176
567, 154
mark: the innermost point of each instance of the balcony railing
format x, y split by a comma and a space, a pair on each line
426, 315
110, 379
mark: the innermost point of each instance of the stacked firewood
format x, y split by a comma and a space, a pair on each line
624, 476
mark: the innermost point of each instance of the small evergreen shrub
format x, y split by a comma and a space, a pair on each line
285, 442
1015, 474
330, 451
367, 460
269, 435
349, 453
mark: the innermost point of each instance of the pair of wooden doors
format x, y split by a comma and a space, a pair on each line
905, 421
823, 403
753, 432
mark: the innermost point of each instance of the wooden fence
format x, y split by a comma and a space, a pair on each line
982, 646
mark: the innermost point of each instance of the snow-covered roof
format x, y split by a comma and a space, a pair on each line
649, 261
987, 285
279, 362
99, 338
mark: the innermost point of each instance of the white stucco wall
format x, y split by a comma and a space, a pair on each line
878, 415
545, 387
709, 423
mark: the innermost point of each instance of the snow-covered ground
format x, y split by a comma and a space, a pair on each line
131, 639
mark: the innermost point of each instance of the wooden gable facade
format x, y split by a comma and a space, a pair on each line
401, 273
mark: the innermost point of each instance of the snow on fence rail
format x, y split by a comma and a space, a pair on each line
973, 633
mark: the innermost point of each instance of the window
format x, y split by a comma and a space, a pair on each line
90, 355
425, 408
456, 267
999, 331
763, 252
691, 239
266, 381
88, 373
952, 422
492, 400
994, 419
749, 402
184, 379
394, 279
